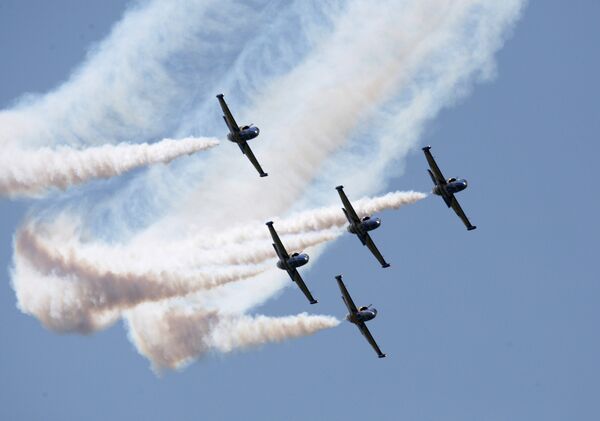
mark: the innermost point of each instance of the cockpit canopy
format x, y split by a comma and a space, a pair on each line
363, 308
366, 218
452, 180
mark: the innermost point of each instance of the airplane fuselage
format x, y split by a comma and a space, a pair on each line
453, 186
366, 224
295, 261
245, 134
364, 314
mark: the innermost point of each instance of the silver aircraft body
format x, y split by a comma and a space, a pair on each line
361, 227
241, 135
290, 263
447, 188
359, 316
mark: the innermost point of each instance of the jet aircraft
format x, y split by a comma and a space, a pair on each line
290, 263
447, 188
361, 227
241, 135
359, 316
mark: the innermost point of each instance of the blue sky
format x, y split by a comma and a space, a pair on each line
495, 324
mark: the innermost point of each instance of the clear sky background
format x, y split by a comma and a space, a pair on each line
496, 324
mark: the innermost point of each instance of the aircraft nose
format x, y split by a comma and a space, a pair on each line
306, 257
256, 130
465, 183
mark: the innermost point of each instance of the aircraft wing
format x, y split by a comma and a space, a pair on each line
295, 275
227, 116
248, 152
348, 209
365, 331
371, 246
277, 244
461, 214
437, 173
346, 296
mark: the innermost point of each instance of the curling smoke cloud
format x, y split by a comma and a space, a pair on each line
33, 172
91, 290
358, 95
136, 83
77, 292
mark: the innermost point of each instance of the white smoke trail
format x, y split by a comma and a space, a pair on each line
51, 242
76, 291
33, 172
246, 331
179, 336
237, 245
108, 280
255, 252
318, 219
205, 251
67, 292
248, 243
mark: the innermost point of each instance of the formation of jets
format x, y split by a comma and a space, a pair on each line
445, 188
